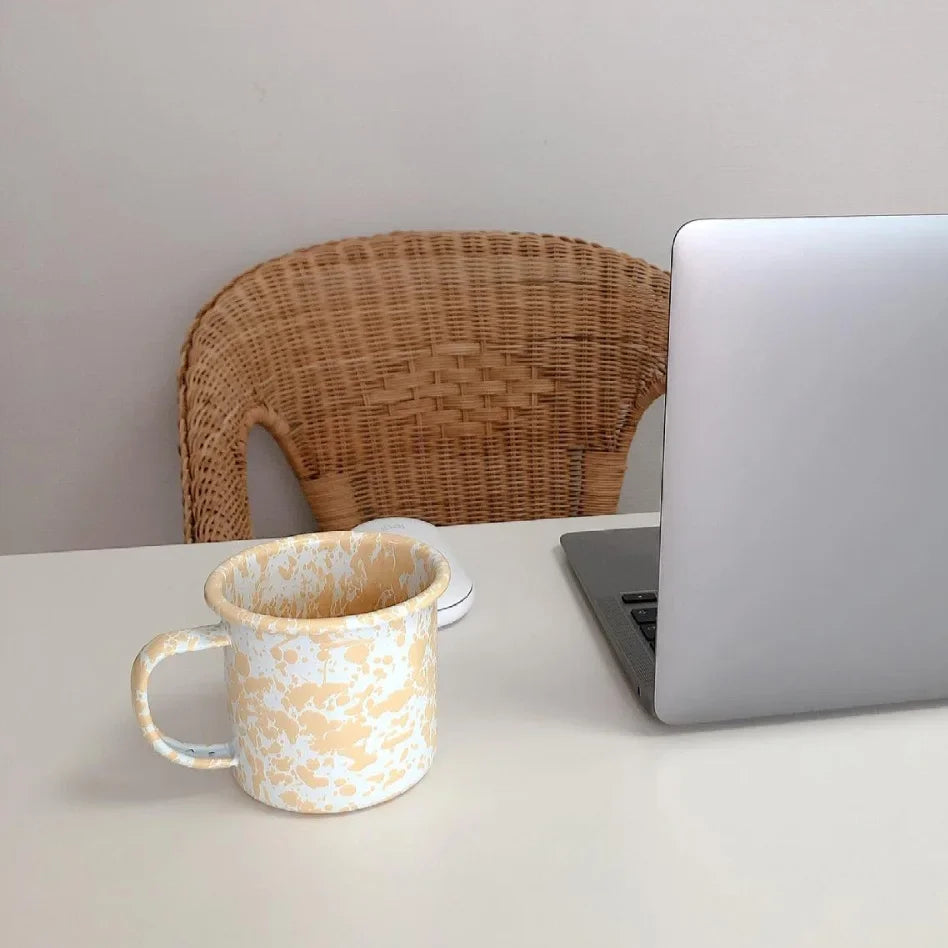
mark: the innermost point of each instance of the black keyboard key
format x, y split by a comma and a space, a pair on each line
645, 614
648, 630
629, 598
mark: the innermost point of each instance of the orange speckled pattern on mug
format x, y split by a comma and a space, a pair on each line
330, 655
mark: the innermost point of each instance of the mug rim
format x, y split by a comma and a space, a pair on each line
231, 612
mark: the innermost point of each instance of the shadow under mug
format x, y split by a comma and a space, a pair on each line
330, 652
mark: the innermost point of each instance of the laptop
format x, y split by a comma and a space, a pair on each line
802, 559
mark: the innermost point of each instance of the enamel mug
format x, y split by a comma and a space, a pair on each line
330, 657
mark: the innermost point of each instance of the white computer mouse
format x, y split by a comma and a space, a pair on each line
458, 598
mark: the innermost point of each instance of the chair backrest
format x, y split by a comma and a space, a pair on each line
454, 377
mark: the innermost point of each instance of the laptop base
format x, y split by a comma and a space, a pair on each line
618, 573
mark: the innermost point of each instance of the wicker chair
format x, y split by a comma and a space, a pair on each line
455, 377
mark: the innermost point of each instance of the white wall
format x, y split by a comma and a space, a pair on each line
154, 150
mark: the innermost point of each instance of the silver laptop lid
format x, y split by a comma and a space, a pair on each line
804, 552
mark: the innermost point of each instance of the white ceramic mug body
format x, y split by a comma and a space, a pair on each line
330, 654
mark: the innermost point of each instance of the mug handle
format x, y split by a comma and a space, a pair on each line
203, 756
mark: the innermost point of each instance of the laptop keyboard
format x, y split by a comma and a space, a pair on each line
642, 607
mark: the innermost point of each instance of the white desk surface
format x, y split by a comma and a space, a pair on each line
556, 812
